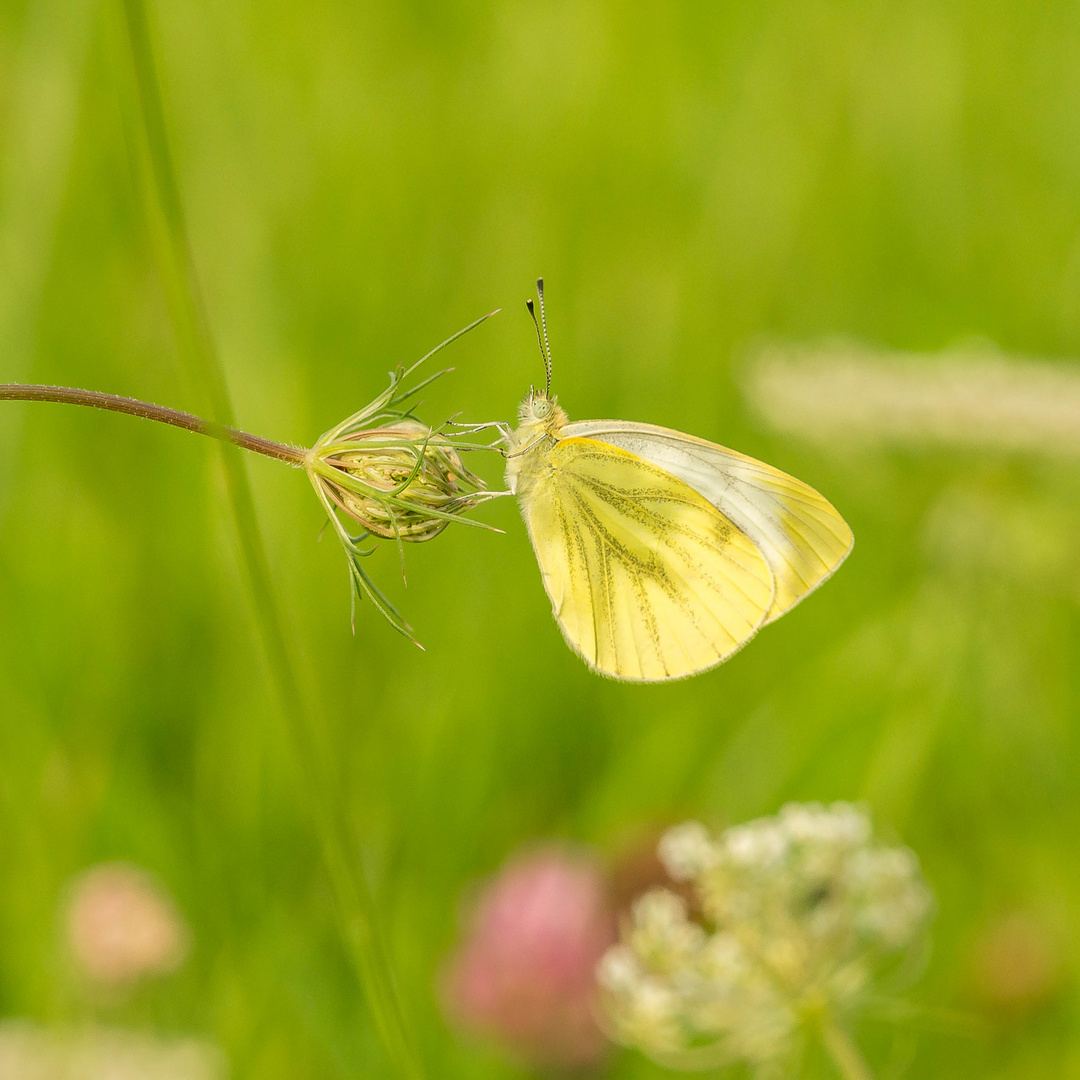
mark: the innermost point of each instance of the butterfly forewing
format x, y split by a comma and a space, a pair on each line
647, 578
798, 532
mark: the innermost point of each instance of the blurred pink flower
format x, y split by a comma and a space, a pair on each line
122, 926
524, 974
1016, 966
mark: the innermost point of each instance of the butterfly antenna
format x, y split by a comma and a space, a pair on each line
543, 323
540, 342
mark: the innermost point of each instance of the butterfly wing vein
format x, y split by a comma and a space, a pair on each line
796, 529
648, 580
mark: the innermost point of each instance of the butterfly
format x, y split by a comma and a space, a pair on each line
662, 553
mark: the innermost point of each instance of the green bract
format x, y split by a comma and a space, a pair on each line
395, 477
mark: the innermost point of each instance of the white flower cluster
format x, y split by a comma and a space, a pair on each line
798, 912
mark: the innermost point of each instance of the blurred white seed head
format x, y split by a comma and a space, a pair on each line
30, 1052
801, 912
840, 392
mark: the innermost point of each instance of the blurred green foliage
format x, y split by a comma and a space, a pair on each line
360, 181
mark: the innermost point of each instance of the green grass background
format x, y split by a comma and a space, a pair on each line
360, 181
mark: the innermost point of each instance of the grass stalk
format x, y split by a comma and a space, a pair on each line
353, 900
843, 1052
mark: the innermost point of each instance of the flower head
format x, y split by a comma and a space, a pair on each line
400, 481
394, 477
122, 926
1016, 966
800, 913
524, 974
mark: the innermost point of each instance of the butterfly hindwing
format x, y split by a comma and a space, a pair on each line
648, 580
801, 536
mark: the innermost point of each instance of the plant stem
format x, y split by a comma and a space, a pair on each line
94, 399
844, 1053
353, 901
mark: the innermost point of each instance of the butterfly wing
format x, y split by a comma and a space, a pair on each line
801, 536
648, 580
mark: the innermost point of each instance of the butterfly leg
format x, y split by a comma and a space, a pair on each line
500, 426
536, 442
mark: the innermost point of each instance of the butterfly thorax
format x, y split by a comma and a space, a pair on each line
540, 422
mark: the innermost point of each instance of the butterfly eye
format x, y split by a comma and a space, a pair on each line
541, 408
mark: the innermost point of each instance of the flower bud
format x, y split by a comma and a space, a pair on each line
397, 478
400, 481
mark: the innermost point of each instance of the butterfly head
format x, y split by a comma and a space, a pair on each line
540, 410
540, 424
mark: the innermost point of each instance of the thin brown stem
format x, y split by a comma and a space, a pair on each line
95, 399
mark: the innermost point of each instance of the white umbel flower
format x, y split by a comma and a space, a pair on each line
800, 912
687, 850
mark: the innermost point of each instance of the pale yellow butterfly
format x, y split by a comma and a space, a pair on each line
662, 553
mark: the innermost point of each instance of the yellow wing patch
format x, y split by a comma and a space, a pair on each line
648, 580
796, 529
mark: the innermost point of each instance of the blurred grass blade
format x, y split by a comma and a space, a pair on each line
42, 92
353, 900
